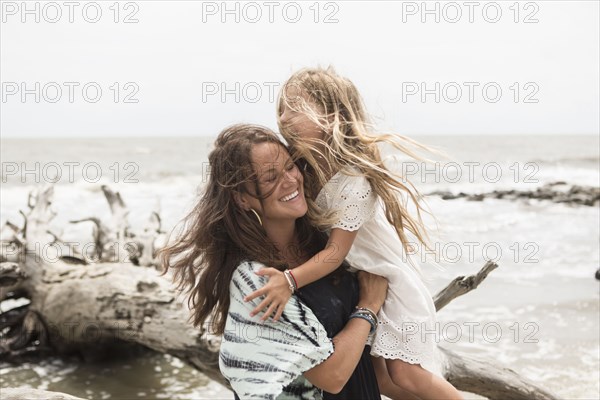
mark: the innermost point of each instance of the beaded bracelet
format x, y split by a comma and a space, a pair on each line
366, 317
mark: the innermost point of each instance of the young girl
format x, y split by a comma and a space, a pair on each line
322, 117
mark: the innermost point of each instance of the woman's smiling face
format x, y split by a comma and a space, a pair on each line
278, 175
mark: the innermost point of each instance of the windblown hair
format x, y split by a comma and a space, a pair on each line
217, 235
335, 105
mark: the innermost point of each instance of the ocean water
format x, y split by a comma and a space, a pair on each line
538, 313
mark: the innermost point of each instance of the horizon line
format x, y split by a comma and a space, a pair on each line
2, 137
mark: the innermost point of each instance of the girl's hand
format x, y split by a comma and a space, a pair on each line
276, 291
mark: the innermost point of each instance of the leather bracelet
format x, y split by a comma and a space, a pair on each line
366, 317
369, 315
368, 310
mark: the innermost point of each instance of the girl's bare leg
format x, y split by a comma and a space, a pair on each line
386, 386
420, 382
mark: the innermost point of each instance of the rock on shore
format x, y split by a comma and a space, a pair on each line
557, 192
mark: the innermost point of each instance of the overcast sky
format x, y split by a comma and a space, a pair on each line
189, 68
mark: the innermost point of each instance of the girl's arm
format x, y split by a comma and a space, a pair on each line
277, 291
327, 260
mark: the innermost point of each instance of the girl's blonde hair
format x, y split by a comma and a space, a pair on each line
335, 105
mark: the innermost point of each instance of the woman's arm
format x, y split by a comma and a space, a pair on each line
332, 374
266, 360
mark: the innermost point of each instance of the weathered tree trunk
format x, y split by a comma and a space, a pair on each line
76, 305
33, 394
461, 285
486, 378
80, 304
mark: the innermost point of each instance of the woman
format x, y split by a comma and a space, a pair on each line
254, 213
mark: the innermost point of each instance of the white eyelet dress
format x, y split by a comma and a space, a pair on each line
407, 320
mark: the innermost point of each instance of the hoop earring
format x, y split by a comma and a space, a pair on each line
257, 216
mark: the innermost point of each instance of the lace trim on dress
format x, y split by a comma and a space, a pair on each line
406, 341
354, 204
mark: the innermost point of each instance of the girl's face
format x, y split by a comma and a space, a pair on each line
276, 172
298, 122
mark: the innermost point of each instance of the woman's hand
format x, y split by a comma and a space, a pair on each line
277, 293
373, 290
332, 374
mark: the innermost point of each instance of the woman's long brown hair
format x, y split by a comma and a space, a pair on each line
217, 235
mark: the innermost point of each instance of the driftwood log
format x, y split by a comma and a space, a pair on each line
33, 394
78, 302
